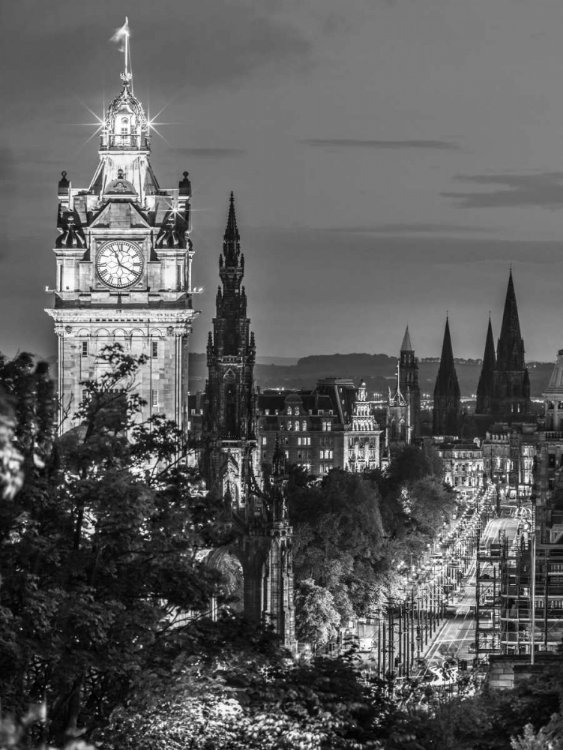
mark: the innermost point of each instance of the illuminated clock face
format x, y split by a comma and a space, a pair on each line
119, 263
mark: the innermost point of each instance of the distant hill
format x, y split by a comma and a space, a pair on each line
378, 370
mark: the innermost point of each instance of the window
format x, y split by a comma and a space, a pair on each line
264, 441
154, 398
154, 349
303, 426
84, 348
296, 411
289, 411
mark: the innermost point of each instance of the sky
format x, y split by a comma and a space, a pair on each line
390, 159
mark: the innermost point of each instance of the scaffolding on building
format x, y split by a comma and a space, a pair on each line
531, 571
487, 595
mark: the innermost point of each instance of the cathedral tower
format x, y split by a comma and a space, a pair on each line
446, 392
409, 383
511, 380
124, 268
229, 429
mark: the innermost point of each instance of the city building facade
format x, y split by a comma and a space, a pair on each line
463, 466
332, 426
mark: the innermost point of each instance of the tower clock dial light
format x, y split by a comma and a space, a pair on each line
119, 264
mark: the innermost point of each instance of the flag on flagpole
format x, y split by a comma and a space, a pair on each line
121, 34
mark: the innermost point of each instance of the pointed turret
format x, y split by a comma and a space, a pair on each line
446, 391
485, 387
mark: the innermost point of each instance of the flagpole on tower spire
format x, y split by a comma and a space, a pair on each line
126, 27
122, 35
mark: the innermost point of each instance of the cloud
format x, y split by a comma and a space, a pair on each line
210, 153
542, 189
414, 228
437, 145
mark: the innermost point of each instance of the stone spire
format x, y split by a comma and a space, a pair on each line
511, 379
231, 239
485, 387
231, 350
510, 351
406, 346
446, 391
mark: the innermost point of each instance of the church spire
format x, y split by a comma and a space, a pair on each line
446, 391
510, 351
485, 387
406, 346
231, 238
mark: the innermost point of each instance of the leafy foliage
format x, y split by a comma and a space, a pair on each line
97, 554
248, 694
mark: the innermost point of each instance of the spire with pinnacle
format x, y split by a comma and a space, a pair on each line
231, 348
231, 239
510, 351
406, 346
485, 387
446, 391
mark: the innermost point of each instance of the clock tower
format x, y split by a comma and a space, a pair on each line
124, 269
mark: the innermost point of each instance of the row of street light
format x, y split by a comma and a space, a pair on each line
403, 631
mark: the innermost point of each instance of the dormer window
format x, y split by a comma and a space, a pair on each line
289, 412
124, 126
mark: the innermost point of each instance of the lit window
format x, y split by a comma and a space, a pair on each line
84, 348
289, 410
264, 441
303, 426
296, 411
